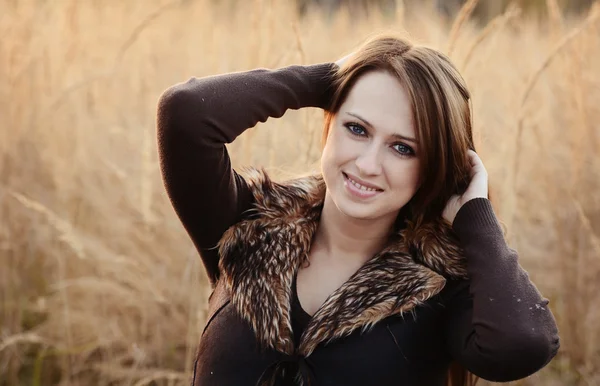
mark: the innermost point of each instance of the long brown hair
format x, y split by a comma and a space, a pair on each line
443, 124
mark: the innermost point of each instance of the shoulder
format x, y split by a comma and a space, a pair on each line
289, 197
455, 291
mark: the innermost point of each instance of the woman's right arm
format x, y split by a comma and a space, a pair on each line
197, 118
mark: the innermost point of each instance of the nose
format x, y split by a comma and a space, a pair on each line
369, 161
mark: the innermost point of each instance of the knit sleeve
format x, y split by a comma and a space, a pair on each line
197, 118
497, 325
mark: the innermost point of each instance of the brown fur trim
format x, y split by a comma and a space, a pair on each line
261, 255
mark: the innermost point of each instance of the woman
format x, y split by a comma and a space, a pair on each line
390, 268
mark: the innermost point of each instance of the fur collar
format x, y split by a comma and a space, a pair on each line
261, 255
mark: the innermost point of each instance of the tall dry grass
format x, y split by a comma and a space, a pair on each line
99, 284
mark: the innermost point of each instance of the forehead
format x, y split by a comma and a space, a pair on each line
380, 98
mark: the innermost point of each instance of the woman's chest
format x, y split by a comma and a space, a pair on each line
408, 348
319, 280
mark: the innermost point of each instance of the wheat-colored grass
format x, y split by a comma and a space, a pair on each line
99, 283
462, 17
494, 25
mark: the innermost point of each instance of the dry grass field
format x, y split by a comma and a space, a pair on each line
99, 283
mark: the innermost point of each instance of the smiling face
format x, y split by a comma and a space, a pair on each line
370, 161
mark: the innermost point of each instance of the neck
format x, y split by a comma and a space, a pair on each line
341, 236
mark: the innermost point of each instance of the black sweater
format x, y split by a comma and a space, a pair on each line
496, 324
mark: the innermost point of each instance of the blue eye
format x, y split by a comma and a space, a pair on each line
356, 129
402, 149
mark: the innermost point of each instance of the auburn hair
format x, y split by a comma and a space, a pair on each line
443, 126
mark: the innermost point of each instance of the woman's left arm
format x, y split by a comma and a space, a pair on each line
498, 326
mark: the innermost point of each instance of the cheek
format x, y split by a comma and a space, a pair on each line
327, 161
326, 155
337, 150
406, 176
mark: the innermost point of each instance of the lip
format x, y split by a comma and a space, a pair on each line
357, 192
363, 183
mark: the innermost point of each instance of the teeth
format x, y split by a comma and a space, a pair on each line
361, 187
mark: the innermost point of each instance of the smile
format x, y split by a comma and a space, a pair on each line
358, 189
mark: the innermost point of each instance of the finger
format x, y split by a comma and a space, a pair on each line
340, 62
454, 198
475, 162
473, 157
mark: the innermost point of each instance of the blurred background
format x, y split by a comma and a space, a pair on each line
99, 283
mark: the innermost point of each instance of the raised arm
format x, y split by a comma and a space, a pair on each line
197, 118
498, 326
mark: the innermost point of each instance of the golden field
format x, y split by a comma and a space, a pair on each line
99, 283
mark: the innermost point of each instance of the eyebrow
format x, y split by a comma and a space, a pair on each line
395, 135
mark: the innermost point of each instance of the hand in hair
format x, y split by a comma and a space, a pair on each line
340, 62
478, 187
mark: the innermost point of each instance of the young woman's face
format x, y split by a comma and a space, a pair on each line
370, 161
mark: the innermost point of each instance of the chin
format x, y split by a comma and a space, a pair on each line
357, 211
357, 214
365, 211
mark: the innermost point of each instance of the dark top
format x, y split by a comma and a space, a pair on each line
497, 324
300, 318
